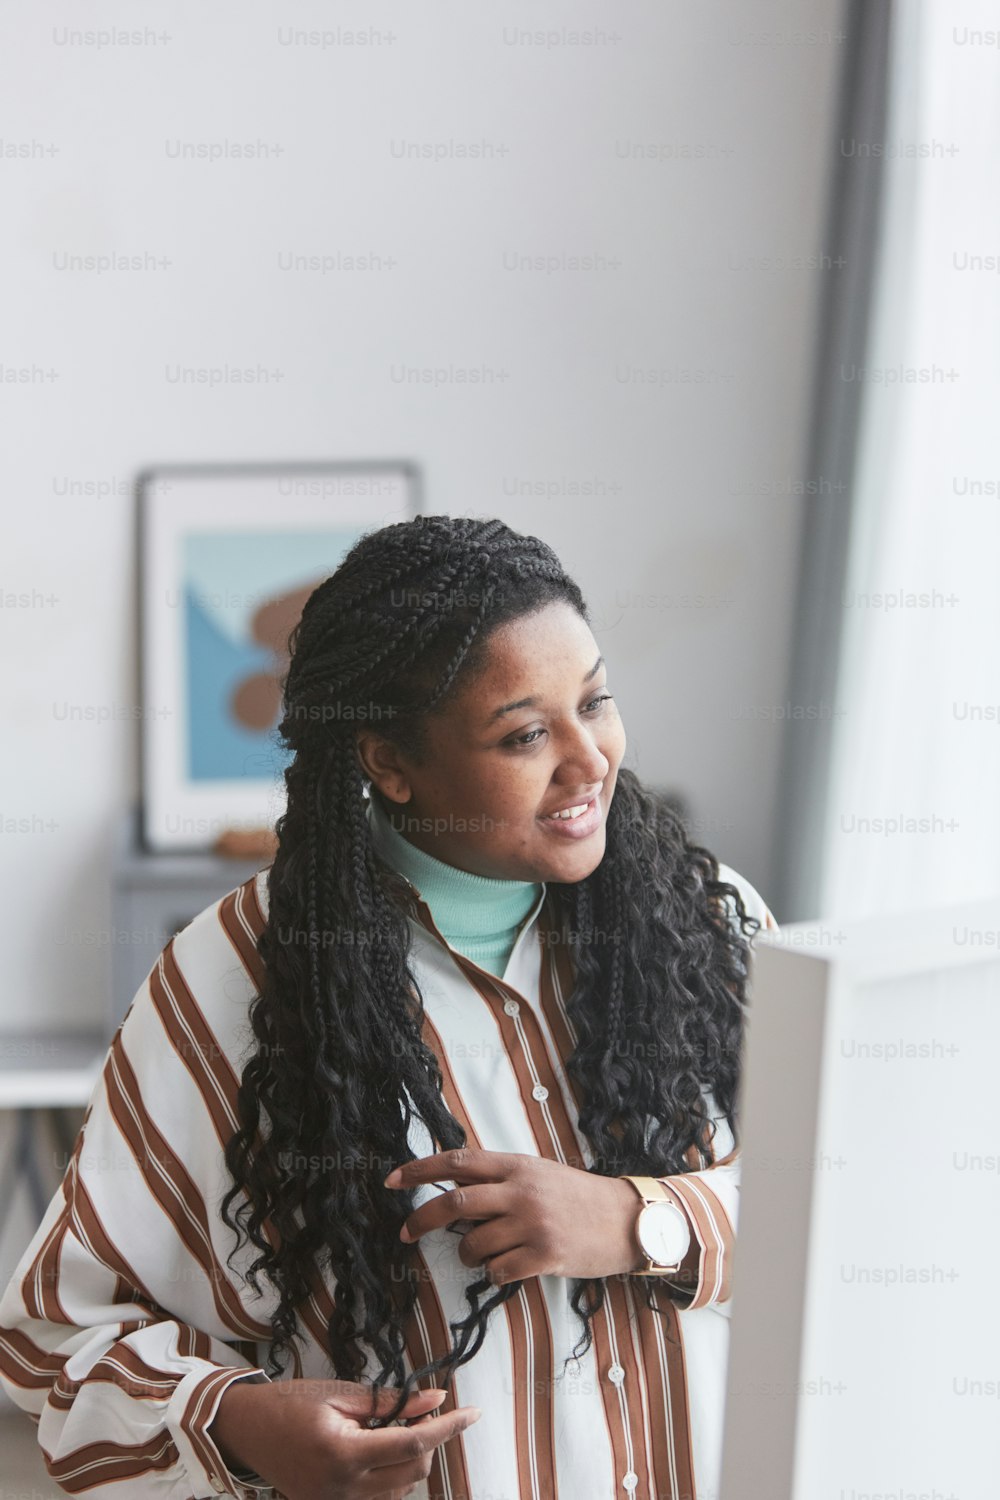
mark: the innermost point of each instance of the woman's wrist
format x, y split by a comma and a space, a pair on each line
230, 1423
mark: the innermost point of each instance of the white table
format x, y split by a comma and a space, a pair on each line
51, 1071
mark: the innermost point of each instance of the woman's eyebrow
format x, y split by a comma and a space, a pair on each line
507, 708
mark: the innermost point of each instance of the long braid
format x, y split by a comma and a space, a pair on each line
341, 1065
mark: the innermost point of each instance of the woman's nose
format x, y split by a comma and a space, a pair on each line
584, 762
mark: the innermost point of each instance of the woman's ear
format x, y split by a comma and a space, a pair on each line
380, 764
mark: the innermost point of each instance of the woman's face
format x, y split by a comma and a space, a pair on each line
496, 765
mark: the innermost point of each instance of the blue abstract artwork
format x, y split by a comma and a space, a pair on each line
236, 589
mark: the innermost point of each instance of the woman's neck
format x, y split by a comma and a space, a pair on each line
477, 915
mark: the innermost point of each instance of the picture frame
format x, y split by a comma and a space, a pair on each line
228, 554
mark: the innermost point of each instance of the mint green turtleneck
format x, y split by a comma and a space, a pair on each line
477, 916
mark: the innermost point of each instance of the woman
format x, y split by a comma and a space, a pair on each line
484, 956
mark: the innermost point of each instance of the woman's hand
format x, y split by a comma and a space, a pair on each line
540, 1217
310, 1438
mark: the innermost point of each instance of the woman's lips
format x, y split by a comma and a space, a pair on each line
579, 827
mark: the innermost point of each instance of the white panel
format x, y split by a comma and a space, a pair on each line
863, 1358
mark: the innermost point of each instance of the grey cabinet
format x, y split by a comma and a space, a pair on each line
153, 897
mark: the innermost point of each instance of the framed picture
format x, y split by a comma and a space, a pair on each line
228, 556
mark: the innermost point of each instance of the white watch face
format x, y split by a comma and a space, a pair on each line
663, 1233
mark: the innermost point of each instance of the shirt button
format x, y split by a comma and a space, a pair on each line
539, 1091
511, 1007
630, 1481
616, 1374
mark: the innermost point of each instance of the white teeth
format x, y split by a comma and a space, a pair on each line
571, 812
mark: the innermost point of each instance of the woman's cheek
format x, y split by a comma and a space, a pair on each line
614, 748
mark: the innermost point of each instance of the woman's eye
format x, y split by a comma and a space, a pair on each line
604, 698
525, 741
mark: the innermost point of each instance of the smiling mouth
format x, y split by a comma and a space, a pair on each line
569, 813
580, 821
574, 810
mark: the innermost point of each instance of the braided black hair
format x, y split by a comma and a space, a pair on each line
658, 1007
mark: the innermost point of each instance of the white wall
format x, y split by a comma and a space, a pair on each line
682, 465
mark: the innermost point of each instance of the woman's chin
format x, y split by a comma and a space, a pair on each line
575, 862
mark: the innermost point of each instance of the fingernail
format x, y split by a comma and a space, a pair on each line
393, 1178
404, 1234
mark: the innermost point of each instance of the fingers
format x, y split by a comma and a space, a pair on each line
401, 1456
356, 1400
487, 1241
515, 1265
461, 1164
484, 1201
431, 1397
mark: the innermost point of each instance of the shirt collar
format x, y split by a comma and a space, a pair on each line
463, 904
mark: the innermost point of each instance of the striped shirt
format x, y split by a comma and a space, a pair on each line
123, 1325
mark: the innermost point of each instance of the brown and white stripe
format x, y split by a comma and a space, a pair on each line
529, 1327
168, 1098
659, 1416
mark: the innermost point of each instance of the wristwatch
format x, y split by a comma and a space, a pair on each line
662, 1229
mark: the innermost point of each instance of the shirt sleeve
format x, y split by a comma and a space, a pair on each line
709, 1198
119, 1328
